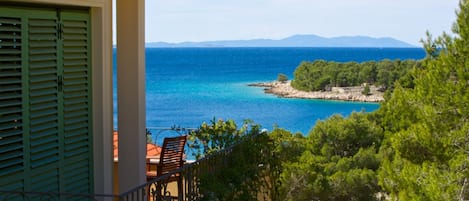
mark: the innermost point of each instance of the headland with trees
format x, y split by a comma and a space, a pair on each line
349, 81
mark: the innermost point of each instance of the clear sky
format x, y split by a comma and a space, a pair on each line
202, 20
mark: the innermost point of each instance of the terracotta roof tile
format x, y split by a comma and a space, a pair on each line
152, 149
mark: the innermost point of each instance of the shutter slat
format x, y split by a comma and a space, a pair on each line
39, 44
75, 56
43, 99
9, 92
11, 138
76, 37
83, 124
10, 118
42, 92
75, 23
45, 129
44, 71
43, 80
10, 29
44, 30
76, 63
9, 44
79, 140
42, 23
44, 64
43, 37
10, 66
10, 80
47, 57
10, 59
10, 36
8, 111
75, 49
10, 51
77, 132
5, 126
44, 114
43, 145
6, 20
37, 51
45, 159
77, 100
11, 153
41, 121
6, 74
75, 44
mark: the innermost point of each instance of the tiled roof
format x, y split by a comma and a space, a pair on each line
152, 149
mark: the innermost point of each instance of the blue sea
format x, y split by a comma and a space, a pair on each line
188, 86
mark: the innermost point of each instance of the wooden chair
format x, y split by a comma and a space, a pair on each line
171, 158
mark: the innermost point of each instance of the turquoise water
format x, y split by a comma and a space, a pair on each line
187, 86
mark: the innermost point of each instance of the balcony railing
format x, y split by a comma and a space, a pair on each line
243, 171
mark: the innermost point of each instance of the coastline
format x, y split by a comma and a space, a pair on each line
285, 90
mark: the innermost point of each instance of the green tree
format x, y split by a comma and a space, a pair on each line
218, 135
426, 154
368, 72
282, 77
366, 90
339, 162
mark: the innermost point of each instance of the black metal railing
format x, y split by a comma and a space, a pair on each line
240, 172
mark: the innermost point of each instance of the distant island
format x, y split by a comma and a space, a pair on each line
295, 41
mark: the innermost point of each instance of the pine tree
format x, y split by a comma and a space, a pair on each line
426, 156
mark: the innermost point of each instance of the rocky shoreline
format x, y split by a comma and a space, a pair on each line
285, 90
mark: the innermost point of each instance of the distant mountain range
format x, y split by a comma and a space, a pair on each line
295, 41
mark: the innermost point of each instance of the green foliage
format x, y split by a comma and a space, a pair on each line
426, 154
339, 161
320, 74
288, 146
339, 136
218, 135
366, 90
282, 77
239, 163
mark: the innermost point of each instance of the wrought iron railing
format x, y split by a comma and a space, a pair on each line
241, 172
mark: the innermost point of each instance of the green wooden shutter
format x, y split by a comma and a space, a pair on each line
77, 102
11, 103
44, 103
45, 100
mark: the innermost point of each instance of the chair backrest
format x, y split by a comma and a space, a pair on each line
171, 157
